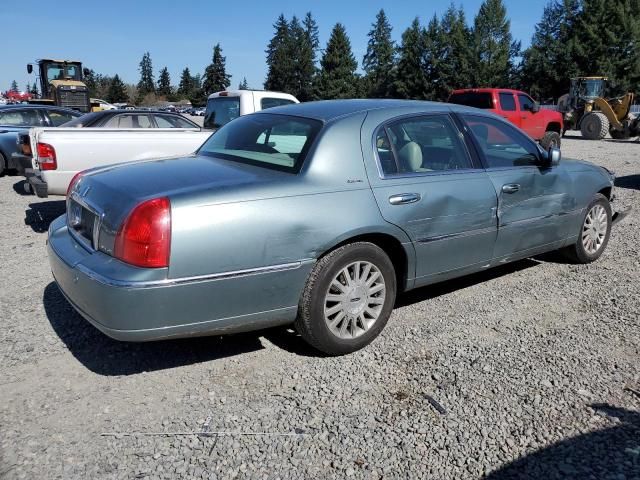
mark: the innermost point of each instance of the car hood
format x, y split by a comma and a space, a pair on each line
191, 180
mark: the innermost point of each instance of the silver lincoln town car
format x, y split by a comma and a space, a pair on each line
317, 215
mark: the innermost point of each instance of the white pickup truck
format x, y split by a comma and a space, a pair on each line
52, 156
57, 154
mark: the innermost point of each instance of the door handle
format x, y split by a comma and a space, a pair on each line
510, 188
404, 198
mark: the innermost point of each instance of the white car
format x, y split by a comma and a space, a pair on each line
99, 104
222, 107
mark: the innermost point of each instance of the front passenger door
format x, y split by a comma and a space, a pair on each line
532, 200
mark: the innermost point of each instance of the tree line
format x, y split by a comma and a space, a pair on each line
573, 38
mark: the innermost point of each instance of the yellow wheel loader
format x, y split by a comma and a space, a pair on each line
61, 84
585, 108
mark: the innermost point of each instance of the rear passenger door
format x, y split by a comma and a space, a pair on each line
427, 184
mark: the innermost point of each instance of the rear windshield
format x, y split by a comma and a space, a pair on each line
220, 111
273, 141
472, 99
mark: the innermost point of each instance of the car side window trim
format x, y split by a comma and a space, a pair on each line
412, 116
481, 155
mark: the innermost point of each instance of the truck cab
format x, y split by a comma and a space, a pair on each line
517, 107
222, 107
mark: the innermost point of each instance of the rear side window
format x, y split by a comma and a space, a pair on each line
21, 118
473, 99
507, 102
420, 145
58, 118
502, 145
129, 121
220, 111
278, 142
274, 102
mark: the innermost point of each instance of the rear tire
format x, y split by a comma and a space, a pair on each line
594, 233
3, 165
550, 139
347, 299
594, 126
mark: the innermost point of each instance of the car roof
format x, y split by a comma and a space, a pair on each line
25, 106
329, 110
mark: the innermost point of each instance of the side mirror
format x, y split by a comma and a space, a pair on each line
553, 157
535, 108
29, 68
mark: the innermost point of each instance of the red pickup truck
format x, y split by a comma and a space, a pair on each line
542, 125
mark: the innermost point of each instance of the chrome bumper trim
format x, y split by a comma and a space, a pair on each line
183, 280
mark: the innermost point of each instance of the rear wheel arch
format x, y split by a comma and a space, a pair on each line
400, 256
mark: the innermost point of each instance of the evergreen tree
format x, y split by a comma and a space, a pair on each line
280, 64
215, 75
186, 83
607, 42
432, 60
34, 89
164, 83
455, 63
14, 86
306, 64
493, 45
117, 91
410, 79
146, 83
243, 84
378, 63
337, 77
196, 81
91, 83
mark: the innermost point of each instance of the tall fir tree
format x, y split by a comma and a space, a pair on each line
280, 64
146, 83
215, 75
164, 83
337, 77
243, 84
432, 58
117, 92
34, 90
306, 64
186, 83
14, 86
410, 80
493, 45
379, 60
455, 64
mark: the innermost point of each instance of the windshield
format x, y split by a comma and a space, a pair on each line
472, 99
279, 142
60, 71
592, 88
220, 111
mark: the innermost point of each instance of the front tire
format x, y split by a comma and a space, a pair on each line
347, 299
594, 126
550, 139
3, 165
594, 232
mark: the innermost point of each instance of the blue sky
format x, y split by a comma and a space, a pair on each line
111, 36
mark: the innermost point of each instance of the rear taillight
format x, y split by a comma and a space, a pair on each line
144, 239
47, 157
76, 178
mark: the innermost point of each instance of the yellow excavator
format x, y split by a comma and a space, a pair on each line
585, 108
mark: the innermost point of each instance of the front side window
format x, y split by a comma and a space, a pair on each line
526, 104
173, 121
20, 118
507, 102
501, 144
279, 142
220, 111
274, 102
422, 144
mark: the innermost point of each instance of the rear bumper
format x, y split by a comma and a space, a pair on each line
133, 304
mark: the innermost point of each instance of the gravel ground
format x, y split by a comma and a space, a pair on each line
527, 371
